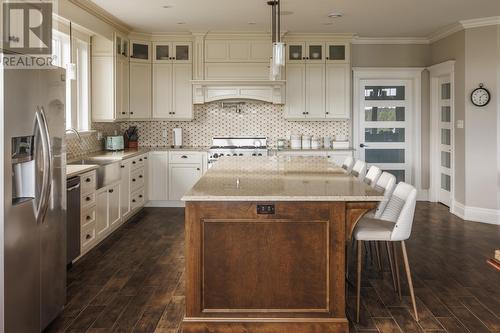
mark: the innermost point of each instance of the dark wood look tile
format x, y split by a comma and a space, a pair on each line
134, 280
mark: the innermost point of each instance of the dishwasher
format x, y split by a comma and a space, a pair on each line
72, 219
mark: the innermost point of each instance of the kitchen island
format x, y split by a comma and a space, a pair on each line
265, 245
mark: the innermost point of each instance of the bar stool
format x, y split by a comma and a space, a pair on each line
372, 176
348, 164
359, 170
394, 225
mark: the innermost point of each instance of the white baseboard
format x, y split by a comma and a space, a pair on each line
476, 214
155, 203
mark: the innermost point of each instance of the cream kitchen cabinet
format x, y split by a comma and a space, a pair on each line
172, 52
182, 179
158, 176
122, 87
125, 188
140, 51
338, 91
172, 91
140, 90
108, 211
238, 51
317, 91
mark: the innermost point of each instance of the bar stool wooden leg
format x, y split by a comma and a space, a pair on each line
358, 278
408, 276
396, 268
391, 264
377, 251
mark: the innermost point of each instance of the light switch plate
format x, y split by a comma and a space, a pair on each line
460, 124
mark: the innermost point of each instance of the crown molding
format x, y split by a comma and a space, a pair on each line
445, 32
480, 22
101, 14
390, 40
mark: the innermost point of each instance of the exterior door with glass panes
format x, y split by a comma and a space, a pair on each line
445, 141
385, 126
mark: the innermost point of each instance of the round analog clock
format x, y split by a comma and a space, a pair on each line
480, 96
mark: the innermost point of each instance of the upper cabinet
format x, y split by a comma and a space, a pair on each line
177, 52
140, 51
121, 46
318, 81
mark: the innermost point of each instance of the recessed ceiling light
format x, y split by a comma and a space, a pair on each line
335, 15
181, 22
166, 6
286, 12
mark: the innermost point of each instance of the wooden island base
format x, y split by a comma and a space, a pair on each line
279, 272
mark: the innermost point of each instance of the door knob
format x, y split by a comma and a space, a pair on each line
362, 145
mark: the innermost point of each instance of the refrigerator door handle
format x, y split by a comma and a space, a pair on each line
43, 202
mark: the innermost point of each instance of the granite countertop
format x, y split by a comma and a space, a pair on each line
279, 178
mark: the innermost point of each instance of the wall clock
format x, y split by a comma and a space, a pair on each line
480, 96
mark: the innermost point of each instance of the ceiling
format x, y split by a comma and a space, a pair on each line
367, 18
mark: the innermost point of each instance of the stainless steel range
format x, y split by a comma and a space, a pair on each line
236, 146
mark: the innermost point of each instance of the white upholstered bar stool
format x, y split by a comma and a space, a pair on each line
348, 164
394, 225
359, 170
372, 176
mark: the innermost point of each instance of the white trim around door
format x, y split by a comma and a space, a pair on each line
439, 74
411, 79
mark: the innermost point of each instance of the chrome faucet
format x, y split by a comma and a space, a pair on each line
76, 133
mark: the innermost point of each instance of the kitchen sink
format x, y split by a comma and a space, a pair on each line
108, 171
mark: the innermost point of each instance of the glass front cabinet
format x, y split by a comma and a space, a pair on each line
166, 52
121, 45
140, 51
317, 52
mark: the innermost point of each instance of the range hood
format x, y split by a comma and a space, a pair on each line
206, 91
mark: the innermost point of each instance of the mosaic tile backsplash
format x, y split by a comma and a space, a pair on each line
255, 119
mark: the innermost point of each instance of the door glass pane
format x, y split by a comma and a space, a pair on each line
445, 182
162, 52
446, 91
446, 159
385, 155
384, 135
445, 114
295, 52
384, 93
140, 51
315, 52
336, 52
182, 52
384, 113
399, 174
445, 136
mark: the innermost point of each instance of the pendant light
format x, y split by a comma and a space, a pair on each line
278, 57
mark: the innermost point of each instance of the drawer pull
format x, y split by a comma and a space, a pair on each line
140, 195
133, 179
88, 180
88, 198
184, 156
111, 191
198, 169
145, 158
123, 166
140, 160
133, 162
88, 236
133, 200
89, 218
140, 176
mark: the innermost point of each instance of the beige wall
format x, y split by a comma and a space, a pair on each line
453, 48
390, 55
402, 55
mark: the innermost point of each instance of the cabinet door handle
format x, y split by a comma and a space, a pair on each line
184, 156
88, 236
88, 180
140, 195
327, 58
88, 218
140, 176
145, 158
303, 58
140, 160
122, 166
327, 112
123, 112
131, 112
133, 200
111, 191
198, 169
133, 162
87, 199
133, 179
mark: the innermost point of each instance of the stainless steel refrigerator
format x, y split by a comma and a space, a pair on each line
34, 198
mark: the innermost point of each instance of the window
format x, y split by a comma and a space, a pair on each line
77, 91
